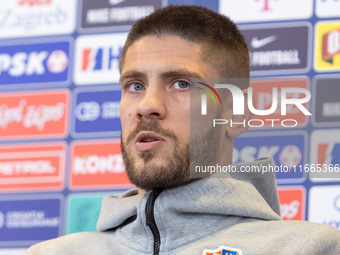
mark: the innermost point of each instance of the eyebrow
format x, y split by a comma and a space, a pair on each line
163, 76
132, 74
179, 72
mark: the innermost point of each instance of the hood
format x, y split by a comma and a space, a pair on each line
200, 207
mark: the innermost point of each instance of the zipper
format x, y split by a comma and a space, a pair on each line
150, 220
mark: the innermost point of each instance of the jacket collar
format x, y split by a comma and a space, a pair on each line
202, 206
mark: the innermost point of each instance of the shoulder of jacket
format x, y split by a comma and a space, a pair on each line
324, 240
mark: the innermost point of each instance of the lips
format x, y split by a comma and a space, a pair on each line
147, 140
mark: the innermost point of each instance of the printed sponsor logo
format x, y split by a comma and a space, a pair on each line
257, 43
97, 164
285, 150
115, 14
32, 167
324, 204
325, 150
35, 63
328, 153
326, 101
2, 220
266, 10
24, 18
97, 58
292, 203
327, 8
327, 46
222, 250
28, 220
330, 45
12, 251
278, 48
83, 211
96, 112
262, 90
35, 114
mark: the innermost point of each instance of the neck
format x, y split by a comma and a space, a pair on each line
141, 191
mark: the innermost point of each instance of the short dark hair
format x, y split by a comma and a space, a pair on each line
223, 46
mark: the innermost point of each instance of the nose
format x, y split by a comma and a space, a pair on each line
153, 105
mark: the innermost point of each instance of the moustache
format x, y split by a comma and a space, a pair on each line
151, 125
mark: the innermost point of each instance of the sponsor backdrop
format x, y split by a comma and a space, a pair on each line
59, 107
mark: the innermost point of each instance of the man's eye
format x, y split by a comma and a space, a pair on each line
181, 85
136, 87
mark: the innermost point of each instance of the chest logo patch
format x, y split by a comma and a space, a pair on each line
223, 250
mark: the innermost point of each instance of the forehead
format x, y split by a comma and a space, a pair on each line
156, 54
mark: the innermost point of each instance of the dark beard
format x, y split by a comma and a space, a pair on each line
203, 150
173, 173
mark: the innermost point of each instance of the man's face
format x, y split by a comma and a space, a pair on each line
155, 109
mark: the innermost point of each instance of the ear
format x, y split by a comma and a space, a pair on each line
238, 124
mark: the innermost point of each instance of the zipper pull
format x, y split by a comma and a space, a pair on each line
147, 211
150, 204
148, 208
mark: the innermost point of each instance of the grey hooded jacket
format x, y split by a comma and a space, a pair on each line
240, 214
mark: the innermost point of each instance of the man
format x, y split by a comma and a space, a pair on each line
171, 213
